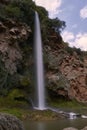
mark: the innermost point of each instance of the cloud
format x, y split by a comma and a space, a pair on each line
78, 41
51, 6
81, 41
68, 36
83, 12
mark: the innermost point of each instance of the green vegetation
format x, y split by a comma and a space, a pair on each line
74, 49
24, 11
61, 103
35, 115
16, 88
19, 10
15, 98
13, 11
14, 111
71, 51
69, 105
7, 81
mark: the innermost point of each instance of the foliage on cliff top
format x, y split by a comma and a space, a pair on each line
23, 10
71, 50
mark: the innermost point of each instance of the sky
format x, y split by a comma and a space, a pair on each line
74, 13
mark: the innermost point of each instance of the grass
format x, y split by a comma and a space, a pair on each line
69, 106
14, 111
60, 103
22, 111
35, 115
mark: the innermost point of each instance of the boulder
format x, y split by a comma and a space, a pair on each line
85, 128
10, 122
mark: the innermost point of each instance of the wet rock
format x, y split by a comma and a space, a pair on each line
70, 128
9, 122
72, 115
85, 128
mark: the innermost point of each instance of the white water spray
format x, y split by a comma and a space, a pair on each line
39, 66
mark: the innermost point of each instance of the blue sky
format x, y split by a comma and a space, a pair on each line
74, 13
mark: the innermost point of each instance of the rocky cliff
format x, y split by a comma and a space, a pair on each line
66, 71
14, 47
12, 33
65, 67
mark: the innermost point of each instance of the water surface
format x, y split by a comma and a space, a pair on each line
55, 125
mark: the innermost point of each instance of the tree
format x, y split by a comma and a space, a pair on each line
48, 24
56, 24
21, 10
43, 13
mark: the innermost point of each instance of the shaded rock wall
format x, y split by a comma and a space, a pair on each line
11, 34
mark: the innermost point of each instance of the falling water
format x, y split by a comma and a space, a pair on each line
39, 65
40, 75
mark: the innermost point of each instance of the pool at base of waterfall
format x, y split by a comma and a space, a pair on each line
78, 123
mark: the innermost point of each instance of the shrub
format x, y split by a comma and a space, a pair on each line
13, 12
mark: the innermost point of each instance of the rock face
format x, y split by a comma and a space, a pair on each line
76, 73
66, 73
11, 34
9, 122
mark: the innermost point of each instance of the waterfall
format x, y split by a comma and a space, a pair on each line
40, 86
40, 94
